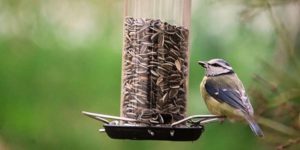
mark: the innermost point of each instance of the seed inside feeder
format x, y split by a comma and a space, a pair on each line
155, 70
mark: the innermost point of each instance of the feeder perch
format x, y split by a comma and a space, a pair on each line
194, 126
155, 62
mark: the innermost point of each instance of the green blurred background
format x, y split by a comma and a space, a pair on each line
60, 57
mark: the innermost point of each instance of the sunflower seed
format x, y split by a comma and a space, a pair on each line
178, 65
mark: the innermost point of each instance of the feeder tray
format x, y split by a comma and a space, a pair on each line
153, 133
187, 129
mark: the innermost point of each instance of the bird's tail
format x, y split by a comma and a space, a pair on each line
254, 126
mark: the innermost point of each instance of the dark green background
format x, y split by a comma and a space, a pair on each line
60, 57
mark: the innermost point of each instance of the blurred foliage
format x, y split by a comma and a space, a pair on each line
60, 57
277, 89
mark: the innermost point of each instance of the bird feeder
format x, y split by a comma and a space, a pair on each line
155, 71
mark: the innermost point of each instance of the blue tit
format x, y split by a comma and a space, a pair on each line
225, 95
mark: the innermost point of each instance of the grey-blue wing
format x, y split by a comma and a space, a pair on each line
226, 90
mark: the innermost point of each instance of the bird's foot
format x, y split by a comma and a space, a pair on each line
222, 119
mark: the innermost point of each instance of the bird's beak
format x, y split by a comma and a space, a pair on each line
203, 64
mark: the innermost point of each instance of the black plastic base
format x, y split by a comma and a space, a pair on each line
154, 133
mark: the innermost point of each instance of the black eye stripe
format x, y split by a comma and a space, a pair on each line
215, 65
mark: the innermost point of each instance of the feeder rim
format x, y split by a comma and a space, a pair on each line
204, 119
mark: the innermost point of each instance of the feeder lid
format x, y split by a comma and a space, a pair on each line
153, 133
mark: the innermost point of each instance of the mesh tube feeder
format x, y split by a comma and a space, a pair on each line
155, 62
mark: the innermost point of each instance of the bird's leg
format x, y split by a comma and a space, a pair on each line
222, 119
